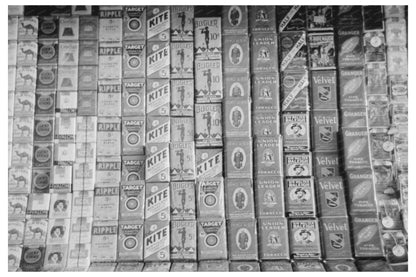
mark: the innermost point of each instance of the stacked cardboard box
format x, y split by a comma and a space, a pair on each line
239, 204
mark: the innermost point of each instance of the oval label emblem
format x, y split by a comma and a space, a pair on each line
243, 239
236, 90
240, 198
236, 117
238, 158
234, 16
235, 54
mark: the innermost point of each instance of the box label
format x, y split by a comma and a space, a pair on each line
209, 163
208, 81
298, 165
133, 97
183, 240
109, 136
182, 98
158, 97
325, 130
236, 55
336, 237
133, 168
106, 203
295, 91
352, 91
182, 23
273, 238
110, 60
208, 128
300, 197
158, 23
356, 148
262, 19
268, 160
361, 191
182, 161
320, 18
366, 235
350, 49
324, 90
130, 241
239, 199
158, 60
134, 22
237, 86
296, 132
212, 239
182, 200
104, 241
88, 52
88, 28
304, 238
210, 194
132, 198
269, 196
108, 170
157, 162
264, 56
234, 20
133, 134
242, 238
266, 124
291, 18
294, 52
208, 38
156, 241
182, 129
134, 53
239, 158
321, 51
238, 118
266, 92
182, 60
157, 129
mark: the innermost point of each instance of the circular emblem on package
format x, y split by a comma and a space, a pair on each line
133, 176
210, 200
133, 139
132, 204
47, 52
234, 16
32, 255
130, 242
43, 128
388, 146
211, 240
287, 42
236, 90
46, 77
41, 181
398, 250
43, 154
133, 100
134, 62
387, 222
304, 236
343, 267
245, 267
48, 27
289, 81
375, 41
134, 24
300, 195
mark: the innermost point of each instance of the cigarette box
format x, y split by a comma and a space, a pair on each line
27, 28
64, 152
356, 148
324, 89
102, 267
17, 204
184, 267
157, 203
237, 86
321, 51
209, 163
110, 25
158, 97
129, 267
87, 77
366, 236
239, 199
106, 203
293, 52
376, 74
182, 23
133, 97
183, 240
156, 241
291, 18
35, 231
336, 238
320, 18
208, 127
236, 55
132, 198
104, 241
340, 265
48, 52
304, 238
58, 231
42, 154
69, 28
298, 164
182, 200
182, 97
45, 102
397, 60
354, 117
352, 90
266, 124
276, 266
396, 33
300, 197
325, 130
308, 266
158, 59
15, 232
273, 238
266, 92
156, 267
108, 136
44, 129
158, 23
210, 197
82, 204
350, 47
208, 81
110, 60
79, 256
182, 161
47, 77
22, 156
13, 27
242, 238
38, 205
239, 158
81, 228
61, 179
32, 258
182, 129
182, 60
353, 15
207, 38
14, 255
88, 28
41, 180
108, 170
22, 79
55, 257
157, 129
238, 118
374, 46
212, 240
19, 179
27, 53
66, 105
60, 205
133, 135
264, 56
361, 191
234, 20
23, 104
295, 132
130, 241
269, 196
268, 156
134, 65
23, 129
295, 91
67, 78
262, 19
134, 22
331, 197
88, 52
133, 168
157, 162
68, 53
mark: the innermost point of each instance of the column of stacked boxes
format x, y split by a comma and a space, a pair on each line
20, 155
387, 83
239, 197
208, 92
183, 232
268, 160
304, 234
330, 192
158, 136
355, 135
